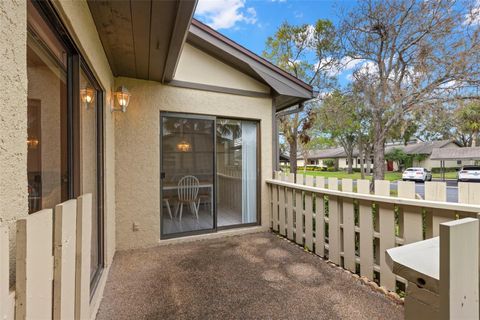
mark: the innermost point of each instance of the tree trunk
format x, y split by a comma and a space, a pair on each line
350, 164
368, 161
379, 158
361, 154
293, 157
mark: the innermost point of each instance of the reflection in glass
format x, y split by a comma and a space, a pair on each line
46, 117
236, 172
88, 159
187, 174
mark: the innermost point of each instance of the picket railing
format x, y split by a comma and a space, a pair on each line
52, 264
353, 228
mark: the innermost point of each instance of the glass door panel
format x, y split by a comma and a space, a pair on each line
236, 172
187, 174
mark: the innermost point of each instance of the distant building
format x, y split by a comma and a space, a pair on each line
317, 157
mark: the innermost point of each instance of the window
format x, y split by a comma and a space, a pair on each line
459, 162
48, 178
65, 124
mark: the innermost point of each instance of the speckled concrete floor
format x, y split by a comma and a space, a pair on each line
256, 276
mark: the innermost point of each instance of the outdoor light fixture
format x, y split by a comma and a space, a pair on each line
183, 146
87, 95
123, 98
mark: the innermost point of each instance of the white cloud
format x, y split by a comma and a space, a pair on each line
224, 14
473, 17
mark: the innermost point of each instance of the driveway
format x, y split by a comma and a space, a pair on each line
452, 189
256, 276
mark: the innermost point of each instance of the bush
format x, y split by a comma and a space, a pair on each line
439, 169
329, 163
331, 169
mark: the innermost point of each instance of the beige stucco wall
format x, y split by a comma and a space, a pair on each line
198, 67
13, 114
137, 150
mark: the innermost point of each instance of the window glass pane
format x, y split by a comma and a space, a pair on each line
47, 132
236, 172
89, 158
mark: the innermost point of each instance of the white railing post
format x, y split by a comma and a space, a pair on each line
459, 268
4, 273
83, 243
65, 253
34, 266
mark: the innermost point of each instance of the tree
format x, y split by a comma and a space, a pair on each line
337, 116
468, 122
412, 54
308, 52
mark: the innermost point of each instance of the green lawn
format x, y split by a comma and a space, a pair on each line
448, 175
391, 176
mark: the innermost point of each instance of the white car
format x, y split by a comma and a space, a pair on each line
417, 174
469, 173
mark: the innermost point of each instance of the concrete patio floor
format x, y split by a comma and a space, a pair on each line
255, 276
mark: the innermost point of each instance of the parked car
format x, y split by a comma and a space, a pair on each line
469, 173
417, 174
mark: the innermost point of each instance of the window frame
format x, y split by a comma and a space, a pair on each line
75, 64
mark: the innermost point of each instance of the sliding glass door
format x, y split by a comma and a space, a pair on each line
236, 172
187, 174
209, 170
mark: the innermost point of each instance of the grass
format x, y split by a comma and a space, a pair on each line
448, 175
391, 176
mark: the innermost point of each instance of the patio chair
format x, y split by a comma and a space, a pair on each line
187, 194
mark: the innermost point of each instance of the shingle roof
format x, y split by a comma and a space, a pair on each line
412, 148
472, 153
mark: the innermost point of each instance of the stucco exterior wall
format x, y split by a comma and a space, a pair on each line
137, 150
198, 67
13, 115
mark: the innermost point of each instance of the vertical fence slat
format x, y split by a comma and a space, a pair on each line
64, 253
34, 266
298, 217
387, 233
435, 191
334, 212
309, 214
469, 193
289, 191
411, 222
281, 208
4, 273
366, 231
320, 219
83, 248
275, 207
459, 269
348, 227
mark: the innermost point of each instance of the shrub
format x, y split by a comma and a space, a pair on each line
331, 169
439, 169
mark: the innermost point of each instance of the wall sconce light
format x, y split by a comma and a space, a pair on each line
87, 95
122, 96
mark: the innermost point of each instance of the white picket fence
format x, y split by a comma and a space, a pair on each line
52, 264
353, 228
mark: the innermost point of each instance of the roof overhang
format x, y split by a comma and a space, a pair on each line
443, 154
143, 39
286, 89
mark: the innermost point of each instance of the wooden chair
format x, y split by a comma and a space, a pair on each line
187, 194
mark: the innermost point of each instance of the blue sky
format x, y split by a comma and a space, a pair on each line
250, 22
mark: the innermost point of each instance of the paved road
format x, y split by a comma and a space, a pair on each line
452, 189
